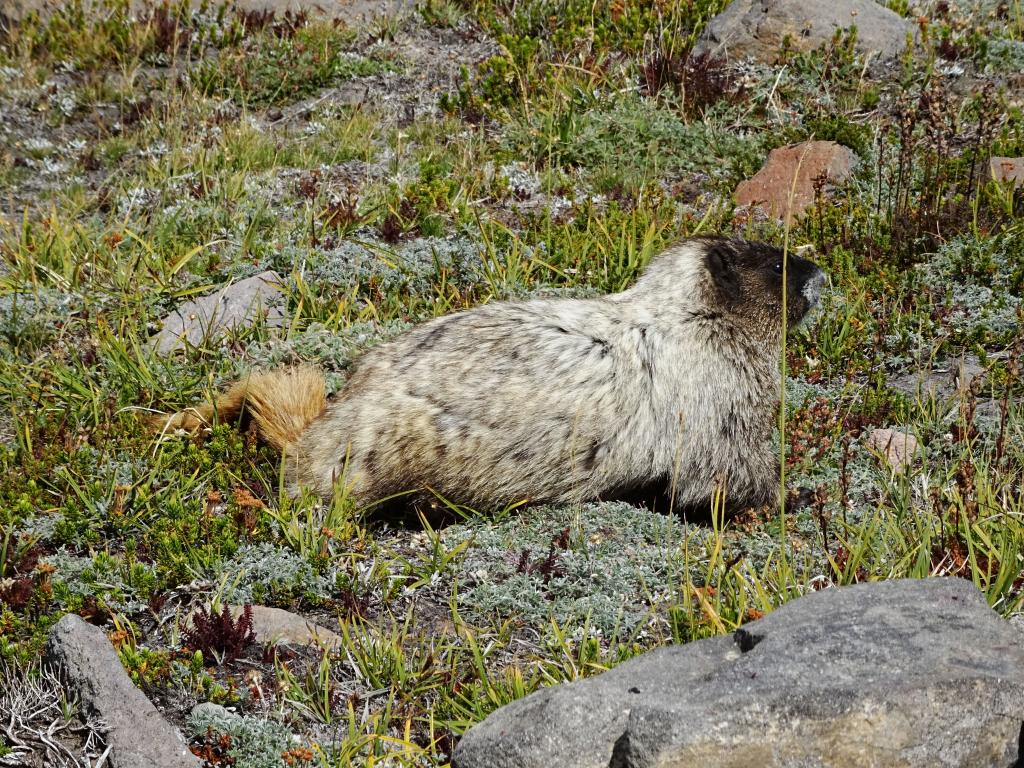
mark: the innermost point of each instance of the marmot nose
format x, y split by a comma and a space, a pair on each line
812, 288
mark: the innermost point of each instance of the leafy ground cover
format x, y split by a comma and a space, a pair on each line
456, 153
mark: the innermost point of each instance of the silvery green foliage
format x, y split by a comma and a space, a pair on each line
124, 587
268, 574
407, 267
518, 292
980, 306
33, 317
1004, 55
800, 392
38, 527
621, 564
334, 351
255, 742
521, 179
978, 279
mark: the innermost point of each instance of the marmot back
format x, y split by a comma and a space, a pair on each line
674, 381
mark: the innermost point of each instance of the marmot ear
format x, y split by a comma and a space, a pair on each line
719, 261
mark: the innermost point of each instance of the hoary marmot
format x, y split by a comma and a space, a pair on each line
674, 381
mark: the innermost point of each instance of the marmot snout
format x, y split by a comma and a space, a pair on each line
674, 380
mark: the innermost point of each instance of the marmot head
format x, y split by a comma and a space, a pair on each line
746, 281
740, 281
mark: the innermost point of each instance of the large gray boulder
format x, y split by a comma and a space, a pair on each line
136, 732
757, 28
899, 673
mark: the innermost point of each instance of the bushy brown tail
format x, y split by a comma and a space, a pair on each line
282, 403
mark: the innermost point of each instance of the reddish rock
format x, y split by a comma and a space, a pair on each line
898, 448
771, 188
1007, 170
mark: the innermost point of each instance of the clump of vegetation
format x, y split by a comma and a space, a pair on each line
221, 738
610, 567
219, 635
40, 723
284, 64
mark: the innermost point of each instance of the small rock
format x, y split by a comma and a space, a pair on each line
904, 672
924, 384
237, 304
966, 370
1007, 170
898, 448
274, 625
138, 735
941, 382
771, 187
760, 29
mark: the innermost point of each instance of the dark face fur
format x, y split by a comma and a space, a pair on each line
747, 277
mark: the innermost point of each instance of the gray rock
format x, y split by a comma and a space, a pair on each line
235, 305
275, 625
757, 28
942, 382
138, 735
908, 673
1017, 622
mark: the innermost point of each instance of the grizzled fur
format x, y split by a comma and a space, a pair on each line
674, 380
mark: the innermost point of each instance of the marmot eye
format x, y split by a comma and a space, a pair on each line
777, 269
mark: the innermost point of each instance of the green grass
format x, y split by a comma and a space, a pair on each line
270, 69
201, 148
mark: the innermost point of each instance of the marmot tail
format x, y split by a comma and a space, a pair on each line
282, 403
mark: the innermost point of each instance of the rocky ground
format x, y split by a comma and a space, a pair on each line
378, 170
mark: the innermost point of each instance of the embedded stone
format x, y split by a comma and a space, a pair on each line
761, 29
898, 448
236, 305
786, 184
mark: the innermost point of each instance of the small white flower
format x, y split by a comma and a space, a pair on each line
133, 199
66, 104
156, 149
53, 167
